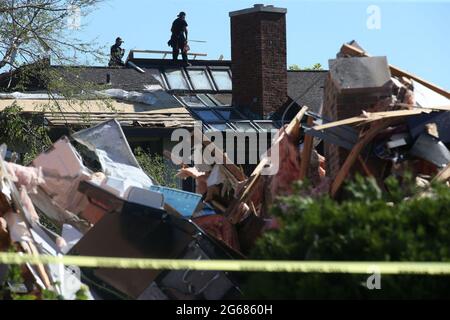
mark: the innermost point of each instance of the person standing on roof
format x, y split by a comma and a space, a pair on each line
117, 54
179, 38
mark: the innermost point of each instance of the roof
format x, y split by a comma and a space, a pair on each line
80, 113
168, 63
307, 88
121, 78
353, 74
191, 91
258, 8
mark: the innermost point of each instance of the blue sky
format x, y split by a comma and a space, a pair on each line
414, 35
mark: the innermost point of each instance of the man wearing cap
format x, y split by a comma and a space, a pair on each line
179, 38
117, 54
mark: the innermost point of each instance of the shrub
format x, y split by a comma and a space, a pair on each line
25, 135
155, 167
367, 226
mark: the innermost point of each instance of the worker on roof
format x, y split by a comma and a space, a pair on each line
179, 39
117, 54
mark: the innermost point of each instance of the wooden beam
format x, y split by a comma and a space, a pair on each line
226, 161
434, 108
374, 116
132, 52
353, 51
247, 191
293, 129
232, 213
443, 175
353, 156
307, 151
365, 167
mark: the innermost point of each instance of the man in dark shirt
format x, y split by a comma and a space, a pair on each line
117, 54
179, 38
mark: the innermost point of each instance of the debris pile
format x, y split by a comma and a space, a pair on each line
377, 121
96, 201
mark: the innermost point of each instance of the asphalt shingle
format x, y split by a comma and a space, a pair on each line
308, 85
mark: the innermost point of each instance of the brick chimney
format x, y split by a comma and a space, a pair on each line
353, 85
258, 54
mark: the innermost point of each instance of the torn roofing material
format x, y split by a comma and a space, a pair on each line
137, 231
116, 158
89, 112
352, 74
431, 149
121, 78
427, 98
306, 87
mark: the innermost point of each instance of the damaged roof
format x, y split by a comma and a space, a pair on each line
207, 84
308, 85
119, 78
91, 112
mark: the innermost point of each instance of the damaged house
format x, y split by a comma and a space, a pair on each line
152, 97
362, 116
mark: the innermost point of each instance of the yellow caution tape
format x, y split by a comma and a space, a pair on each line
430, 268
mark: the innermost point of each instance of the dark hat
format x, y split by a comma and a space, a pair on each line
182, 14
119, 39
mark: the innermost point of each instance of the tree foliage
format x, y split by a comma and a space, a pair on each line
368, 225
315, 67
31, 30
23, 134
155, 166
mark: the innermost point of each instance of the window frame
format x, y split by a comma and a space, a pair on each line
221, 69
257, 122
208, 77
249, 122
184, 76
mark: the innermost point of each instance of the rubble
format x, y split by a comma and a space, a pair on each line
102, 203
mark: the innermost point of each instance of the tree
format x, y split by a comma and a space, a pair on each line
31, 30
24, 134
315, 67
368, 225
155, 166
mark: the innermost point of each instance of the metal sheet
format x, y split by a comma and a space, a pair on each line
432, 150
109, 143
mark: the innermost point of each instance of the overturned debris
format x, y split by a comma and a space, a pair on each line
378, 121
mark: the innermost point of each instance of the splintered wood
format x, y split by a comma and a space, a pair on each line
366, 137
353, 51
443, 175
307, 152
368, 117
234, 212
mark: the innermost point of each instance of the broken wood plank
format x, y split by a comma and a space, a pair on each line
247, 191
365, 167
434, 108
307, 151
293, 129
374, 116
232, 213
353, 156
443, 175
218, 206
253, 208
353, 51
226, 161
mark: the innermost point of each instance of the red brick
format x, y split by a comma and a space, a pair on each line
259, 65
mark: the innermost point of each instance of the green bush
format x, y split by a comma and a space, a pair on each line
155, 167
25, 135
368, 225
